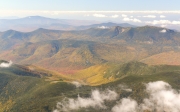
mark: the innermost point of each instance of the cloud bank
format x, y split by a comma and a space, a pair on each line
99, 15
132, 20
156, 22
125, 105
115, 16
150, 16
162, 16
162, 98
123, 15
96, 100
6, 65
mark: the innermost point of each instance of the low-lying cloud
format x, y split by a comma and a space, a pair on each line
103, 27
5, 64
123, 15
163, 31
162, 16
161, 98
124, 87
150, 16
132, 20
166, 22
96, 100
99, 15
115, 16
77, 84
125, 105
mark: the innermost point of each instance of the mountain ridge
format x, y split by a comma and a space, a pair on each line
28, 24
83, 48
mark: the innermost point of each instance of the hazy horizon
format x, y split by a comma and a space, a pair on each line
139, 12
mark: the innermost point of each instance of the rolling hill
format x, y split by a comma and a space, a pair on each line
22, 92
70, 51
68, 55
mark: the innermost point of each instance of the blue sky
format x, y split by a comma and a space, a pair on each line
89, 5
139, 12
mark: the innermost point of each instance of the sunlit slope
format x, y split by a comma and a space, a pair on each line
67, 56
93, 75
169, 58
109, 72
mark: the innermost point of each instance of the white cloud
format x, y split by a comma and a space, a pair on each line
6, 65
124, 87
159, 22
126, 105
158, 12
115, 16
123, 15
163, 25
131, 16
132, 20
164, 22
132, 11
77, 84
176, 22
162, 16
150, 16
99, 15
163, 31
103, 27
55, 13
162, 98
96, 100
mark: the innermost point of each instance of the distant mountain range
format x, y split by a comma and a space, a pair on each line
31, 23
68, 51
105, 25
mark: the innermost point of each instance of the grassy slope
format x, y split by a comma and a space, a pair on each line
170, 58
104, 73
